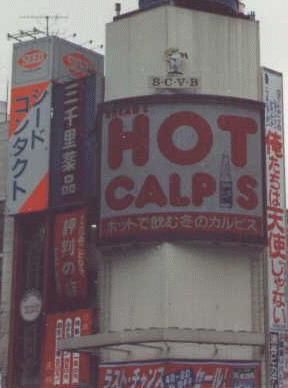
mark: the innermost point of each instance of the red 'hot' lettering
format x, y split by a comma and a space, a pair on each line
239, 128
137, 141
180, 156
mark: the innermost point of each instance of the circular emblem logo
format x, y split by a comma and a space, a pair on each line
31, 305
32, 59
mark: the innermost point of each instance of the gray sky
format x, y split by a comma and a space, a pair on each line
87, 18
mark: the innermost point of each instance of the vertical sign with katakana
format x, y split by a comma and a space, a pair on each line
276, 251
29, 138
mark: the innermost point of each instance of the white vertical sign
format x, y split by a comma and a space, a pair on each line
274, 139
276, 227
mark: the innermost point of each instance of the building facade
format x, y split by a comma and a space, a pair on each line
203, 289
148, 252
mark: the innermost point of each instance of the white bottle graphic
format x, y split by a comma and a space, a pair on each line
225, 183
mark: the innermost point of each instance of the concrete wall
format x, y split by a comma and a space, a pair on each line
191, 287
181, 285
222, 50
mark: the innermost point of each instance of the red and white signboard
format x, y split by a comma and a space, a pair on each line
36, 63
273, 97
78, 64
191, 168
32, 59
184, 374
65, 369
29, 142
70, 257
52, 58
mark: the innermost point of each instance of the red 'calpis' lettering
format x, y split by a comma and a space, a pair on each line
246, 184
204, 185
121, 182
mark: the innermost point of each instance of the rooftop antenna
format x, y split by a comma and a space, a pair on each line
47, 19
19, 36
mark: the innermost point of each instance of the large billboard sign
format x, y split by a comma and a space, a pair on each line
37, 65
70, 257
182, 167
184, 374
65, 369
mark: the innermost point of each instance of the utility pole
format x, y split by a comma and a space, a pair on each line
47, 19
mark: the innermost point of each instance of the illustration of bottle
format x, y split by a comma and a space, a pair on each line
225, 183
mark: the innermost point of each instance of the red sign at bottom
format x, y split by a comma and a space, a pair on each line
65, 369
184, 374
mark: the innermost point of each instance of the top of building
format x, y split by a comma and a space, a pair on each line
222, 6
234, 8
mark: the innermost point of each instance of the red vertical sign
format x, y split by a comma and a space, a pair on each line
70, 257
65, 369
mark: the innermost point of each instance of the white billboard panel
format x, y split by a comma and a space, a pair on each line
181, 167
274, 136
29, 143
32, 62
52, 58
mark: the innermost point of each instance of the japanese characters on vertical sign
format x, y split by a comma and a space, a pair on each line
184, 374
70, 257
72, 136
189, 169
65, 369
29, 138
274, 139
71, 141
